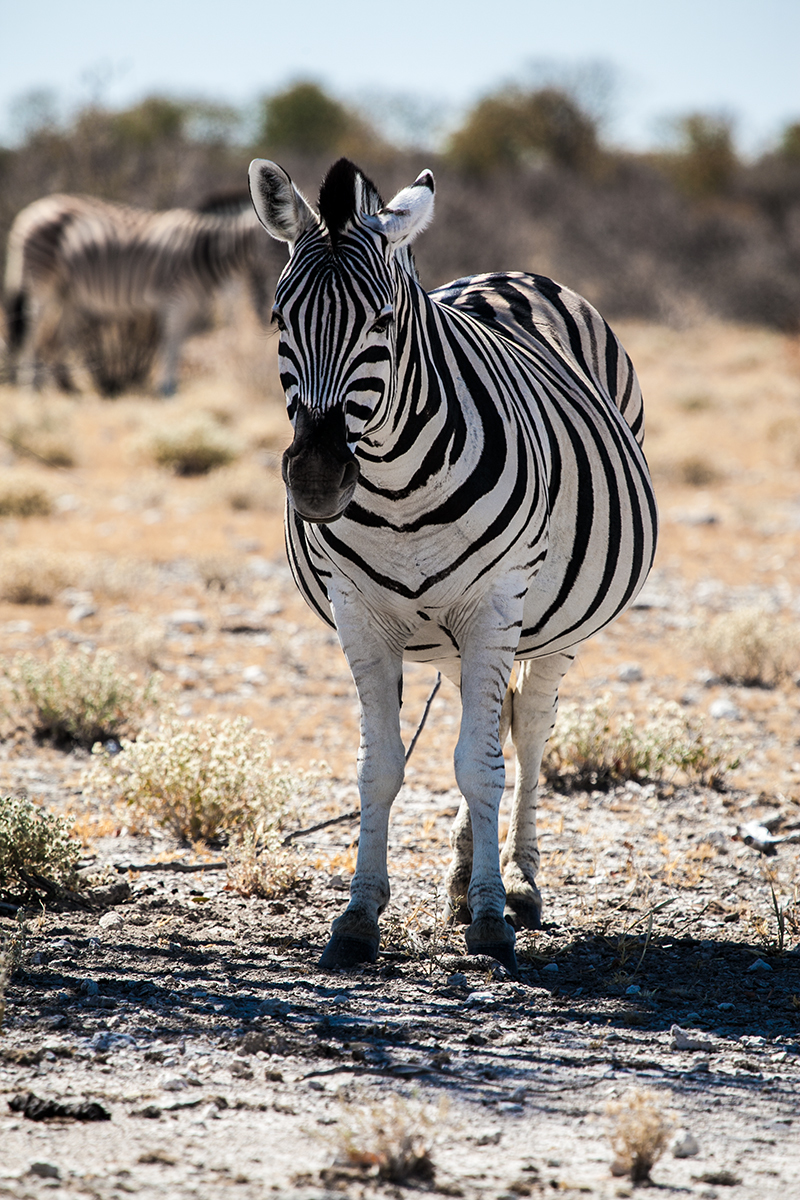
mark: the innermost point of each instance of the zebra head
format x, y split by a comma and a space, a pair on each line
336, 306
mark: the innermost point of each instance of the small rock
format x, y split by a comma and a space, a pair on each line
724, 709
491, 1137
89, 987
457, 980
479, 998
550, 969
187, 619
174, 1084
685, 1145
341, 998
253, 674
273, 1008
633, 990
726, 1005
109, 920
682, 1040
759, 965
44, 1170
316, 1085
630, 673
519, 1095
510, 1110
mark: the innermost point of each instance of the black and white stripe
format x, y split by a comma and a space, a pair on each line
466, 487
74, 257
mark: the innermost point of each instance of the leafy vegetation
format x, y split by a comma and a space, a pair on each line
751, 647
591, 745
78, 698
200, 779
33, 843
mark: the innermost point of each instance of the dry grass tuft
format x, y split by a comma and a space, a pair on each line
265, 871
78, 698
592, 745
194, 445
392, 1140
638, 1134
35, 576
200, 779
697, 471
251, 489
23, 497
751, 647
38, 428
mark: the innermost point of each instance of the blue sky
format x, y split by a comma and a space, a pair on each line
741, 57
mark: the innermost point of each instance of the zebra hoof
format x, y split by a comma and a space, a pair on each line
523, 913
501, 952
343, 951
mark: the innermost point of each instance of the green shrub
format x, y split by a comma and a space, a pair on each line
199, 778
305, 119
750, 647
34, 843
193, 446
78, 698
592, 746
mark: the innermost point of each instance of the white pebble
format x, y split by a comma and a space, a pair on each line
685, 1145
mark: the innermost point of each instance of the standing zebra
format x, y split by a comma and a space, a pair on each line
466, 487
74, 261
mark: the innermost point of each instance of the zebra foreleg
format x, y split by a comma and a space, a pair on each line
534, 706
487, 657
460, 870
377, 670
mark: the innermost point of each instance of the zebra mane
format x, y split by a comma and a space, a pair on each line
345, 192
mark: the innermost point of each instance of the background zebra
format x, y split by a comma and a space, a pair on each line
76, 263
466, 487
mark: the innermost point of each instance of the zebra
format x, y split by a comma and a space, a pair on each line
466, 487
76, 261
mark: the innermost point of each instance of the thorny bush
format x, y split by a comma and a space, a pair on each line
78, 698
200, 778
34, 843
591, 745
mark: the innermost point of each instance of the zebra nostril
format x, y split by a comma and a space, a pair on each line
350, 475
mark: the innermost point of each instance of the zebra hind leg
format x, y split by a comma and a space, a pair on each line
534, 705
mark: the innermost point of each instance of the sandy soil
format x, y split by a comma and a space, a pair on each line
205, 1010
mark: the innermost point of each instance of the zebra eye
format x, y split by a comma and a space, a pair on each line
382, 323
278, 320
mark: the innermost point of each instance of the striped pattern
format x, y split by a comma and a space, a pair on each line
542, 458
470, 467
73, 257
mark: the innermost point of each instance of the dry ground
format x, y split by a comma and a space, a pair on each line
188, 575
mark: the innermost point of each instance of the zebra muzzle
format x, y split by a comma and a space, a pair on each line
319, 470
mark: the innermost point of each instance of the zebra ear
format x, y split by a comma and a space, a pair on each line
407, 214
280, 208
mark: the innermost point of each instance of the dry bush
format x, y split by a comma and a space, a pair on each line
592, 745
79, 697
250, 488
220, 572
116, 578
34, 844
638, 1134
135, 636
21, 496
265, 871
750, 647
200, 778
392, 1139
35, 576
38, 428
193, 445
697, 471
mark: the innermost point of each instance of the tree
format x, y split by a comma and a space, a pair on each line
306, 120
705, 162
514, 126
